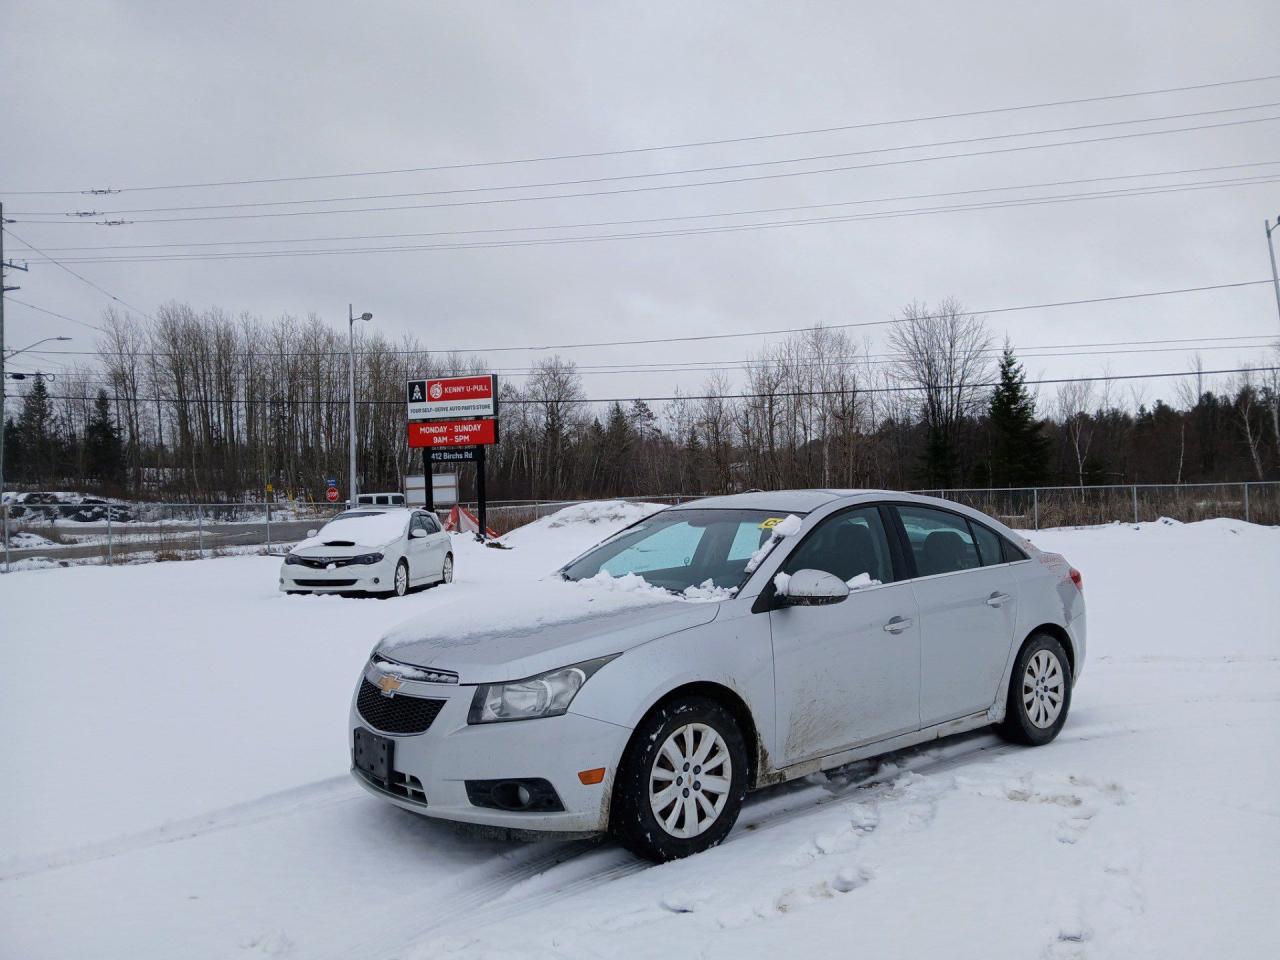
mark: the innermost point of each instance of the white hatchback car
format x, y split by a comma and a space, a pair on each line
384, 550
713, 648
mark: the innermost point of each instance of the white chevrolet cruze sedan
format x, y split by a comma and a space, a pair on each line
382, 550
714, 648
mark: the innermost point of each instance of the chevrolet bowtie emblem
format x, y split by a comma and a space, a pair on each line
388, 684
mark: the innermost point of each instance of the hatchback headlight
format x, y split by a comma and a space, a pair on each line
546, 695
367, 558
291, 560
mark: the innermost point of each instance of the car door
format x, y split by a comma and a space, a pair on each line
422, 565
967, 611
439, 543
847, 673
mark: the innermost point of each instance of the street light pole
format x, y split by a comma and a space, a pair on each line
1271, 248
351, 375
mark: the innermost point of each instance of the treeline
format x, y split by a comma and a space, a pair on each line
205, 406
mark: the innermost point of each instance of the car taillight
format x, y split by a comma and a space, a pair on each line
1077, 579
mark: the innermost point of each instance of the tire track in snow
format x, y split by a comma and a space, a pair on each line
311, 796
498, 900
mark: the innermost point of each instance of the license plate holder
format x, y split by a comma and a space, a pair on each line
373, 755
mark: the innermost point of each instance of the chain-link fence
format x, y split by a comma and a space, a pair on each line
52, 534
1034, 507
41, 535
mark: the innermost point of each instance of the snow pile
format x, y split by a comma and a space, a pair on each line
365, 530
787, 527
26, 540
707, 590
620, 513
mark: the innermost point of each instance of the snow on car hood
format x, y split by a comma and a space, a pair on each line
369, 530
540, 626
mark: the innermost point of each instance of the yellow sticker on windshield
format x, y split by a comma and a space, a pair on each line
771, 523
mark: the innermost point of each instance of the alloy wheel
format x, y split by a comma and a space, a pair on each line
690, 780
1043, 689
402, 580
446, 572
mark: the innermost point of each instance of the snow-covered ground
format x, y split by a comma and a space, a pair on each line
173, 784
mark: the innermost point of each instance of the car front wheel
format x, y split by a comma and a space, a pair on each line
400, 582
682, 780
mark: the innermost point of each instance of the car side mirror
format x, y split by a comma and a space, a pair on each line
312, 533
812, 588
417, 533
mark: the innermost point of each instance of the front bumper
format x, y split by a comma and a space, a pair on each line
371, 577
437, 763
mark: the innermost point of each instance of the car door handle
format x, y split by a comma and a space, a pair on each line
898, 624
997, 599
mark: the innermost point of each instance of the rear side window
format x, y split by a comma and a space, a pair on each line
1012, 552
848, 545
990, 550
940, 541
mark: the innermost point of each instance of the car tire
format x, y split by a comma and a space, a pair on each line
446, 569
1039, 692
400, 580
694, 816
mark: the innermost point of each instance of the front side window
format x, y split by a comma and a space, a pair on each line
851, 545
941, 542
679, 549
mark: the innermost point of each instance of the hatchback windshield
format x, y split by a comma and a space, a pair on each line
682, 549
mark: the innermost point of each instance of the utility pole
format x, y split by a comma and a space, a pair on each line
4, 265
351, 373
1271, 248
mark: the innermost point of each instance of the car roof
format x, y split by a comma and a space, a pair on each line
790, 501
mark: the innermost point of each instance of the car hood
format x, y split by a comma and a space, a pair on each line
532, 631
316, 547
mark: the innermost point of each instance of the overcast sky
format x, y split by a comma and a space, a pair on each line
134, 94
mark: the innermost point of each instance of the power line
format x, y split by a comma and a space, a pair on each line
60, 316
658, 366
780, 395
651, 149
712, 336
692, 230
684, 186
585, 181
697, 216
81, 278
869, 360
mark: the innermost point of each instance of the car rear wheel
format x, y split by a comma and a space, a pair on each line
1039, 692
682, 781
446, 571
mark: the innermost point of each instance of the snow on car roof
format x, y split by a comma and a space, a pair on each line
370, 528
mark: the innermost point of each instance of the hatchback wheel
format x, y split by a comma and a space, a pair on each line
446, 571
1039, 692
400, 583
682, 780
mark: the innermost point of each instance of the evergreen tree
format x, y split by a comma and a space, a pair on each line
35, 432
104, 452
1019, 450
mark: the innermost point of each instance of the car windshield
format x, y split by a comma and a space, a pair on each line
680, 550
358, 513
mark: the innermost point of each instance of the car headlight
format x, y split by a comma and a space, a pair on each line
546, 695
367, 558
291, 560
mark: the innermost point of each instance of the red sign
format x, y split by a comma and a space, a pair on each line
452, 397
331, 494
453, 433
